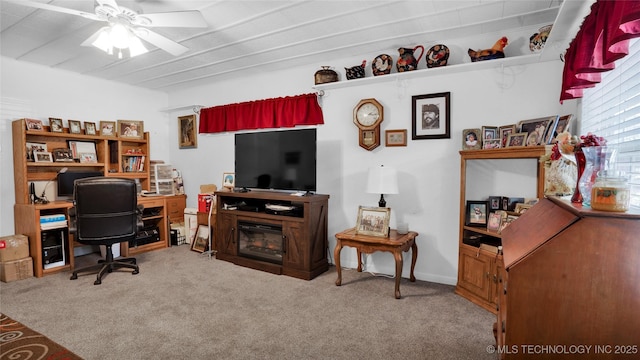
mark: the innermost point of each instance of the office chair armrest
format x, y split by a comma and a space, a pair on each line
72, 220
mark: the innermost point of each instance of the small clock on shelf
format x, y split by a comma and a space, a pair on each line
368, 115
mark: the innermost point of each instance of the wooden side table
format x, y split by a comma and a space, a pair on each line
395, 244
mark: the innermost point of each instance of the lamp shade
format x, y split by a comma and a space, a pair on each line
382, 180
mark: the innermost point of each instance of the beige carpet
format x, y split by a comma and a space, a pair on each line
184, 305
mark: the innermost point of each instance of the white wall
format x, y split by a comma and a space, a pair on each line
428, 169
39, 92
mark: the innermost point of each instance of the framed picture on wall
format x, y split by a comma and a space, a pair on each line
395, 137
431, 116
187, 135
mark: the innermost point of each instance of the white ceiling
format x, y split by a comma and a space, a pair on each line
250, 37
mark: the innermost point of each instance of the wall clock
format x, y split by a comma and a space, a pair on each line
367, 116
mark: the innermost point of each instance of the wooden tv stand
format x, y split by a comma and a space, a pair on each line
304, 230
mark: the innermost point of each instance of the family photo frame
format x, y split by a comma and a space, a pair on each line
131, 129
477, 213
471, 139
431, 116
536, 130
108, 128
373, 221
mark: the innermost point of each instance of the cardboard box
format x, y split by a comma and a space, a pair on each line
204, 202
13, 247
16, 270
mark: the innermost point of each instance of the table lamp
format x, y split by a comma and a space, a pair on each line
382, 180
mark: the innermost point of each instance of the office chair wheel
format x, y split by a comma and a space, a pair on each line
74, 276
97, 282
135, 271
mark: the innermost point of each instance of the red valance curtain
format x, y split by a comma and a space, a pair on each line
262, 114
602, 39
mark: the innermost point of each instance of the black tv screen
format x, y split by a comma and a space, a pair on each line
66, 179
277, 160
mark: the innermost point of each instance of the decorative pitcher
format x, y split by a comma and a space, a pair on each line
407, 61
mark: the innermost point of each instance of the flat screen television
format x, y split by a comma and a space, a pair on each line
66, 179
276, 160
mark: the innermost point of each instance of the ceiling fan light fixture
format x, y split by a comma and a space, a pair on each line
120, 36
136, 47
103, 42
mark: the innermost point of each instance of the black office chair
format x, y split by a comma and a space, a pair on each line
105, 212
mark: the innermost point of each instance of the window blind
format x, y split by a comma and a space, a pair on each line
612, 110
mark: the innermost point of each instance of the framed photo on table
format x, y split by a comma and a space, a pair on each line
89, 128
536, 129
108, 128
55, 125
471, 139
373, 221
62, 155
504, 131
43, 156
130, 129
431, 116
34, 147
229, 180
201, 242
187, 136
75, 127
477, 213
34, 124
80, 147
516, 139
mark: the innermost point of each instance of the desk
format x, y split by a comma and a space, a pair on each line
395, 244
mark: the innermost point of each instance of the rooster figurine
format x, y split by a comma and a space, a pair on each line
496, 52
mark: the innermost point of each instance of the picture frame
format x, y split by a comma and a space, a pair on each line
431, 116
201, 241
78, 147
133, 129
62, 155
494, 222
563, 123
55, 125
373, 221
489, 133
536, 129
477, 213
34, 124
108, 128
187, 132
42, 156
506, 221
89, 128
521, 208
395, 137
87, 158
504, 132
492, 144
495, 203
33, 147
229, 180
471, 139
75, 127
516, 139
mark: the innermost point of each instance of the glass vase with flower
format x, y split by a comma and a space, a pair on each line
592, 155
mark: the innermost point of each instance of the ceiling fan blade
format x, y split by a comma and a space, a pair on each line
161, 42
190, 18
43, 6
109, 3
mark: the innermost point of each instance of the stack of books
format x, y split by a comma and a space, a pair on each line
55, 221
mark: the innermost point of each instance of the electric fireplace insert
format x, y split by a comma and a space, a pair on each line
260, 241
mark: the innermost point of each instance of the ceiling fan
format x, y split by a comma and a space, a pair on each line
130, 25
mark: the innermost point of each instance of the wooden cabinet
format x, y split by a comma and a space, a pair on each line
304, 230
478, 268
572, 279
110, 154
116, 157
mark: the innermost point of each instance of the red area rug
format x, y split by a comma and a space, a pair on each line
18, 342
